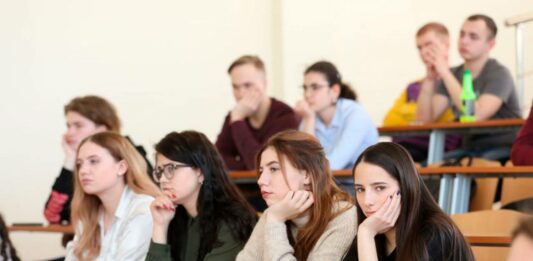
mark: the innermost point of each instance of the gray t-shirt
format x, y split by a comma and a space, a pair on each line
494, 79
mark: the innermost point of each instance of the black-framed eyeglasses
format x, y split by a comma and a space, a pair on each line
167, 170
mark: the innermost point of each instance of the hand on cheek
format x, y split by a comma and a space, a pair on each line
293, 204
385, 217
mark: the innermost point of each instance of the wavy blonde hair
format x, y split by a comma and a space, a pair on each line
85, 206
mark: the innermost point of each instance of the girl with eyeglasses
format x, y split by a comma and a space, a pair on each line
202, 215
111, 204
331, 113
308, 216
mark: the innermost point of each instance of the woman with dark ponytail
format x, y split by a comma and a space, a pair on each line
330, 112
7, 251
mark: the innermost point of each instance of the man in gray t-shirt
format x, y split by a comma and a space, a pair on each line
493, 85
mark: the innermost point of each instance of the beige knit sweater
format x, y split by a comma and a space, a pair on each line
269, 241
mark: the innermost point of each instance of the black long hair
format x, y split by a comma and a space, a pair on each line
219, 200
5, 245
421, 220
333, 77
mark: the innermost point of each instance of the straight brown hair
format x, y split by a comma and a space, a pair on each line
96, 109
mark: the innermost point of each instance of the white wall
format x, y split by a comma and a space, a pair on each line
373, 43
163, 64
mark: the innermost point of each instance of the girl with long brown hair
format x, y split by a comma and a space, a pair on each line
398, 217
308, 216
111, 204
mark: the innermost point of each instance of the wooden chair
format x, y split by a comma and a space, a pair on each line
483, 197
515, 189
489, 223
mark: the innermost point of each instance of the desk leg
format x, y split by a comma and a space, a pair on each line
436, 146
460, 194
436, 154
445, 193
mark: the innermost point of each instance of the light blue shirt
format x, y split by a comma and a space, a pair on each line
350, 132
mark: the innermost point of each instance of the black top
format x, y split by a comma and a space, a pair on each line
64, 183
436, 246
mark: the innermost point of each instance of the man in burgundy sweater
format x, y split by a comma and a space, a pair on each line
254, 118
523, 145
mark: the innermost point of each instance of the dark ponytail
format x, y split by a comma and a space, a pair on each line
333, 77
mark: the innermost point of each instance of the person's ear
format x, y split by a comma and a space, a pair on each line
200, 176
307, 180
122, 167
336, 90
491, 43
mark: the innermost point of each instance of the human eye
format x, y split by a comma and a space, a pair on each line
273, 169
359, 190
315, 87
380, 188
78, 164
93, 161
168, 168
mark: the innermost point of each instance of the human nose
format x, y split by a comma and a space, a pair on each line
70, 131
369, 199
263, 179
82, 169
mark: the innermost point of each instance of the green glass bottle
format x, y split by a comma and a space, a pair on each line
468, 99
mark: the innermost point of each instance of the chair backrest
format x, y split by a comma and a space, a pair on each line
515, 189
487, 223
483, 196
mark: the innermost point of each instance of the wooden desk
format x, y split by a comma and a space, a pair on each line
49, 228
252, 175
437, 132
490, 241
459, 193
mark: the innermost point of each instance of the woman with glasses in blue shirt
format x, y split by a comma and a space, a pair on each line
202, 215
331, 113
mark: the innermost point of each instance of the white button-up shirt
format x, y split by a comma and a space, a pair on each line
128, 237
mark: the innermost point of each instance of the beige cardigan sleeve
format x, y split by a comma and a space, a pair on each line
269, 241
253, 250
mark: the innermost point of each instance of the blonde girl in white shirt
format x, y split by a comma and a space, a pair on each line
111, 204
